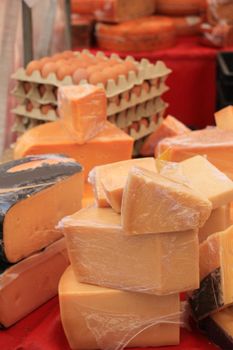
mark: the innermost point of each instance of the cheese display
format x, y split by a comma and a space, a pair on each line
110, 145
83, 110
95, 240
169, 127
224, 118
153, 203
215, 143
216, 289
35, 193
113, 10
31, 282
109, 180
180, 7
112, 319
143, 34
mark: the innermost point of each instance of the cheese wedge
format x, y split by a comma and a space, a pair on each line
224, 118
33, 281
101, 254
102, 318
83, 110
110, 145
109, 180
202, 176
35, 193
216, 275
215, 143
153, 203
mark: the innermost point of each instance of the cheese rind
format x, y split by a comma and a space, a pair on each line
108, 318
31, 282
153, 204
141, 263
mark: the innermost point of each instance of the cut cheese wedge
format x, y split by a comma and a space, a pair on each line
101, 254
216, 275
153, 203
102, 318
33, 281
109, 180
83, 110
35, 193
224, 118
110, 145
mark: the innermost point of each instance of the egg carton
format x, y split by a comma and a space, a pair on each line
35, 93
35, 113
146, 71
143, 130
23, 124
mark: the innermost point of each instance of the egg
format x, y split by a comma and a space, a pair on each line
120, 69
115, 100
146, 86
44, 60
29, 106
130, 66
112, 62
32, 66
46, 108
55, 92
96, 78
136, 90
47, 68
64, 71
135, 126
155, 118
78, 75
67, 54
145, 122
42, 89
27, 87
125, 95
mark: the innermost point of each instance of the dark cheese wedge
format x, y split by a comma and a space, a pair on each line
35, 193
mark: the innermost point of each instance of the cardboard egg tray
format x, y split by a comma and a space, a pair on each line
36, 113
140, 130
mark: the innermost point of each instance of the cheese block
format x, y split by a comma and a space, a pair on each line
88, 196
219, 328
113, 10
109, 180
219, 220
215, 143
169, 127
216, 286
35, 193
110, 145
189, 25
83, 110
180, 7
33, 281
224, 118
111, 319
202, 176
101, 254
153, 203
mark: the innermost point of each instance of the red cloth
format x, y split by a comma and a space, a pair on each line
42, 330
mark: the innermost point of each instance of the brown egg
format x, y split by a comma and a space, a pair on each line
155, 118
29, 106
86, 58
44, 60
114, 99
136, 90
120, 69
146, 86
135, 126
55, 92
46, 108
32, 66
125, 95
42, 89
27, 87
126, 130
112, 62
91, 70
67, 54
79, 74
131, 66
47, 68
96, 78
63, 71
145, 121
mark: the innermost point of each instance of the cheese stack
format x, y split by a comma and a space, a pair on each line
35, 193
130, 255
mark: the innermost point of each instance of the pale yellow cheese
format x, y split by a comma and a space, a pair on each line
103, 318
224, 118
101, 254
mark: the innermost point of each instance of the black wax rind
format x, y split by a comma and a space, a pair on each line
26, 183
208, 297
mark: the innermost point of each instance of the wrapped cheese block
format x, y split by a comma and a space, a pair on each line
189, 25
33, 281
114, 10
216, 286
83, 110
180, 7
153, 203
35, 193
102, 318
110, 145
215, 143
101, 254
144, 34
109, 180
169, 127
224, 118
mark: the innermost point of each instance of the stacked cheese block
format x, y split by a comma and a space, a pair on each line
138, 248
35, 193
129, 85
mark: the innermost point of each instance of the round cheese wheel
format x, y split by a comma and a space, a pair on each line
180, 7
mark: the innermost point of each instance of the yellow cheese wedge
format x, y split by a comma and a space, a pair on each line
102, 254
102, 318
153, 203
109, 180
83, 110
33, 281
224, 118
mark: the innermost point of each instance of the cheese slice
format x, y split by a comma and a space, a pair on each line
214, 143
102, 318
216, 275
109, 180
33, 281
35, 193
110, 145
224, 118
153, 203
101, 254
83, 110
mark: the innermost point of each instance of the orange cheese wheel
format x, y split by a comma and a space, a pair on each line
180, 7
189, 25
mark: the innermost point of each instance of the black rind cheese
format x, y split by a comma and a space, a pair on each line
25, 183
208, 297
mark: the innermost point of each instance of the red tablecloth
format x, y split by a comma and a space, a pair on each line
42, 330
